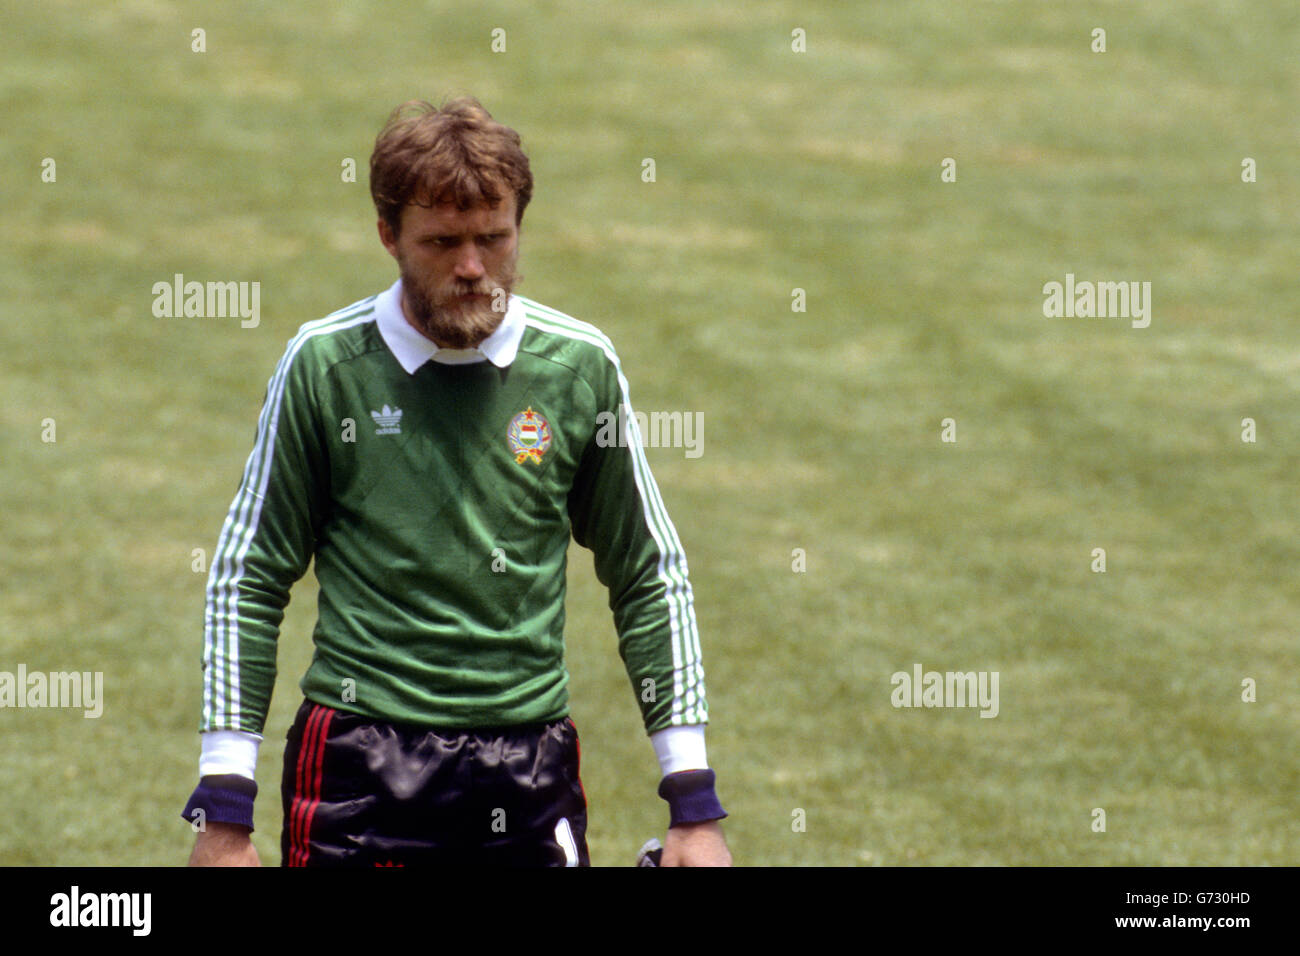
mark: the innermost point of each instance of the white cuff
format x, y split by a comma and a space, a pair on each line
228, 751
680, 748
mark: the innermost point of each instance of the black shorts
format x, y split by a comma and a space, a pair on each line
361, 792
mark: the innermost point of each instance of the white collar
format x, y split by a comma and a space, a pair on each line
412, 350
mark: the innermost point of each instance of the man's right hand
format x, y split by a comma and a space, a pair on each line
224, 844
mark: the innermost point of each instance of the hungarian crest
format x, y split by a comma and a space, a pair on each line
529, 436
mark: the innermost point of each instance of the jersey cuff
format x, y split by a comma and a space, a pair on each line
228, 751
691, 797
680, 748
226, 798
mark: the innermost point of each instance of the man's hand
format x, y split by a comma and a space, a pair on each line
224, 844
696, 844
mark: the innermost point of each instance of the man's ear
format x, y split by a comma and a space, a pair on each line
387, 238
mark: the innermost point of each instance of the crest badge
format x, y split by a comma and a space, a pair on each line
529, 436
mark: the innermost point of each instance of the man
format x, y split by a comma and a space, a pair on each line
432, 447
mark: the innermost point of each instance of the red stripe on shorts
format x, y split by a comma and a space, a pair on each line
577, 756
308, 773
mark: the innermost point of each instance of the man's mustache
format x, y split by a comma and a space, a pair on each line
479, 288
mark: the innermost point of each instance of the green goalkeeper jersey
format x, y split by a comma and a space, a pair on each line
437, 494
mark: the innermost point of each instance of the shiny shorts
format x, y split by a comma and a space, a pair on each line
360, 792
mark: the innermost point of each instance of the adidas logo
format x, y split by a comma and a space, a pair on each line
389, 421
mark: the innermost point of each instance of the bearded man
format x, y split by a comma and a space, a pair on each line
432, 448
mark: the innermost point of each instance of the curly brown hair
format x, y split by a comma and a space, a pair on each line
426, 155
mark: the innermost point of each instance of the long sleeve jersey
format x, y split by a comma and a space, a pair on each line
437, 498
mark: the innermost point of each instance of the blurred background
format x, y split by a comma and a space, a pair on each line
799, 272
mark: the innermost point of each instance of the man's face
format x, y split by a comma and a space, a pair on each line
457, 268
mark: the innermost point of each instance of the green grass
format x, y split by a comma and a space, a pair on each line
775, 171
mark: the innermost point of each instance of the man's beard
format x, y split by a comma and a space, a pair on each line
450, 321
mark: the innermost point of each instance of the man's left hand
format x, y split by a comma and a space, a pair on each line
696, 844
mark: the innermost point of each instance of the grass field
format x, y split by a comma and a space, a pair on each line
775, 170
